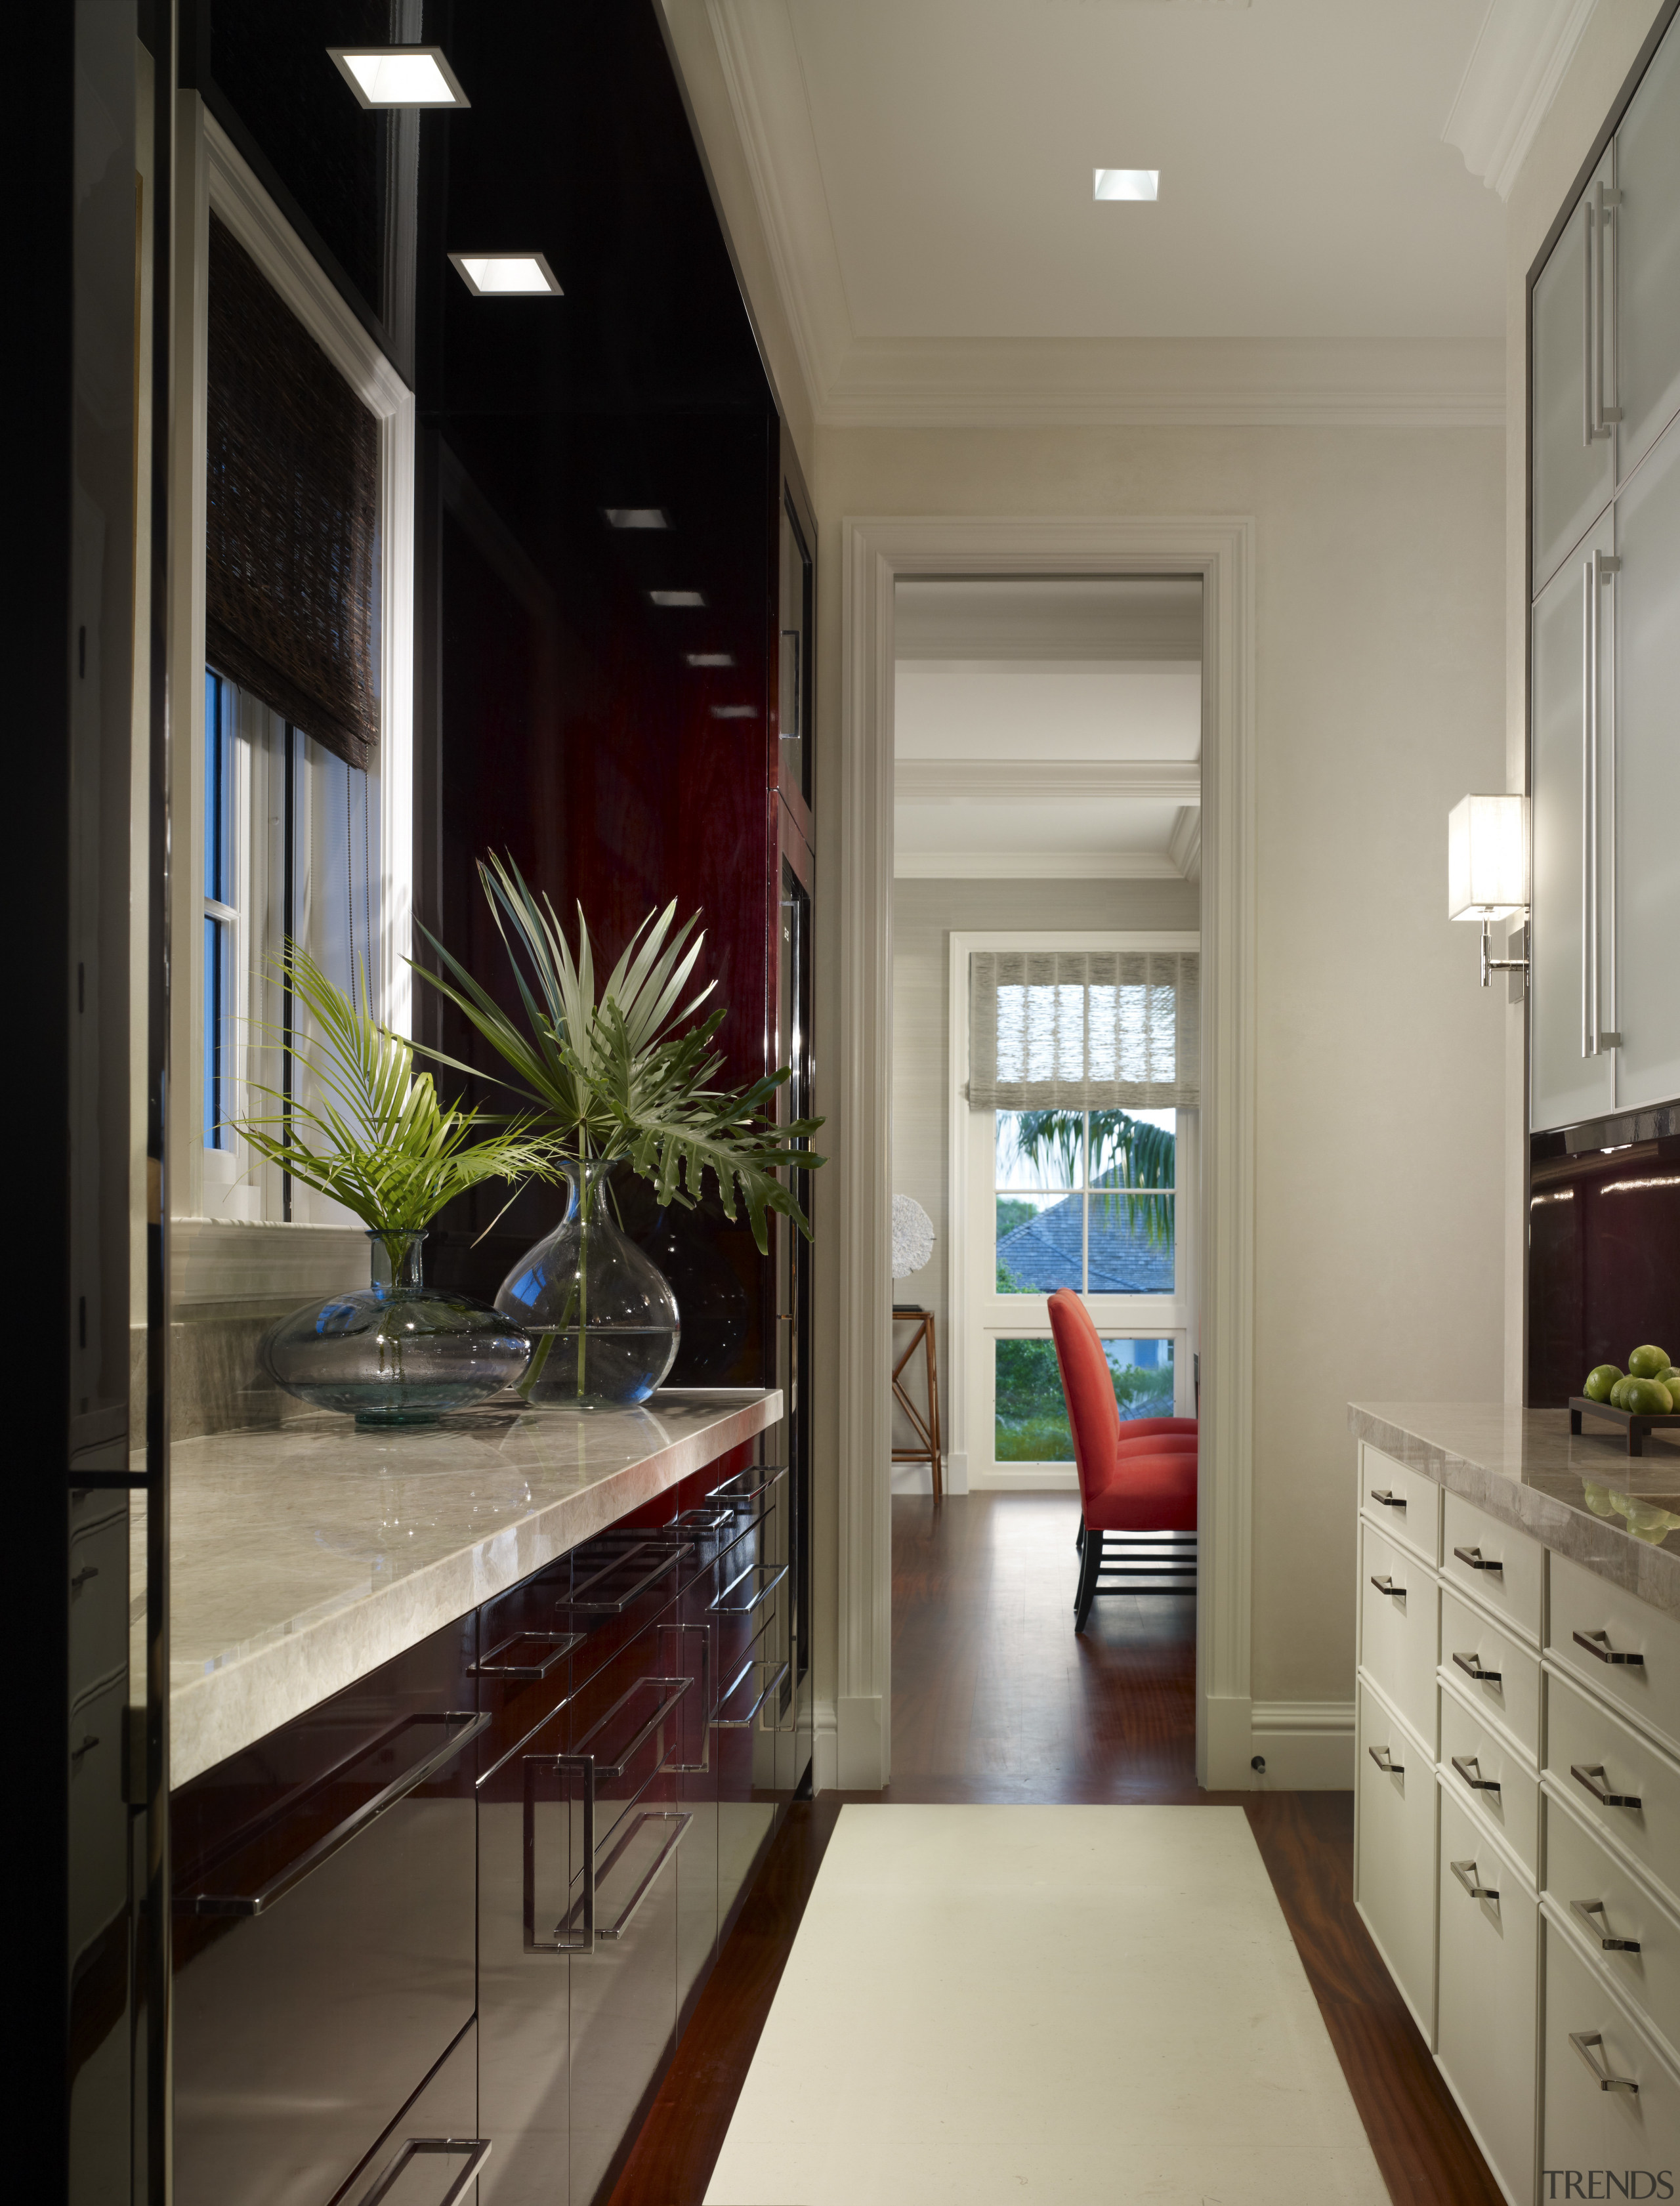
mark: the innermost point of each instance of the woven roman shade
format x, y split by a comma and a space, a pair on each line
292, 462
1084, 1030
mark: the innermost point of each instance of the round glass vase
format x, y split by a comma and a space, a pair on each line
601, 1315
397, 1352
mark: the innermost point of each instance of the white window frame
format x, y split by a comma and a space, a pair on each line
218, 1255
978, 1313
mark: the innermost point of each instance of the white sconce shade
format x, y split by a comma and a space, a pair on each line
1127, 183
1487, 857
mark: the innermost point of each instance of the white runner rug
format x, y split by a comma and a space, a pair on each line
1068, 2004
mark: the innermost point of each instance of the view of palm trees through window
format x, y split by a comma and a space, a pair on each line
1087, 1199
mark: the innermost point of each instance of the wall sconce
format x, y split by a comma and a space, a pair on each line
1487, 868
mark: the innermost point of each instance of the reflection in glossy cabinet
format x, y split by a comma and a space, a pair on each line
1486, 2000
1572, 470
434, 2145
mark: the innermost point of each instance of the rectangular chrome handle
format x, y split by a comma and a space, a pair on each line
1605, 199
1388, 1498
778, 1671
1597, 1644
543, 1651
1589, 688
1465, 1871
1585, 1773
1584, 1910
475, 2150
748, 1486
1583, 2041
589, 1597
1471, 1666
1587, 326
555, 1940
1381, 1757
1464, 1764
695, 1768
772, 1574
1477, 1560
679, 1819
1386, 1585
671, 1692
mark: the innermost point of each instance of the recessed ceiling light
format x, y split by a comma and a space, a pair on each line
708, 657
400, 77
506, 275
676, 597
636, 516
1127, 184
735, 712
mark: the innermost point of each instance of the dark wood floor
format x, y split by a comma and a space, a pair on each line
995, 1700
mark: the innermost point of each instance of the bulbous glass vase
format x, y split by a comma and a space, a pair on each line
601, 1315
397, 1352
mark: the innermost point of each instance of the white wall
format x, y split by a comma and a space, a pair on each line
925, 916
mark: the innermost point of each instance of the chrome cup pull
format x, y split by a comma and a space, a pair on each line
1477, 1560
1380, 1755
1464, 1764
474, 2150
1597, 1644
1387, 1497
1471, 1666
1386, 1585
1583, 2041
1587, 1774
1584, 1910
1465, 1871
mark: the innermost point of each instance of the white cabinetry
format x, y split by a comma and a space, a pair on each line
1573, 469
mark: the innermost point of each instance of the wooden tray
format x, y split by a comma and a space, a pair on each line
1635, 1426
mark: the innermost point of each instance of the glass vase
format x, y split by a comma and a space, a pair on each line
601, 1315
397, 1352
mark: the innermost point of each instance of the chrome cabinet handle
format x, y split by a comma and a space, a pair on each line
476, 2150
1464, 1764
555, 1940
1584, 1773
1586, 330
1465, 1871
1584, 1910
696, 1768
1477, 1560
465, 1726
1471, 1666
746, 1486
534, 1664
778, 1671
1386, 1586
594, 1602
773, 1575
670, 1690
679, 1819
1589, 715
1597, 1643
1605, 199
1381, 1757
1583, 2041
1388, 1497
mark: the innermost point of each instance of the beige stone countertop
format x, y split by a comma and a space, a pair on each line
302, 1555
1580, 1494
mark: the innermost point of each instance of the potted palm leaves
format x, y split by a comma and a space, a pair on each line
367, 1131
622, 1077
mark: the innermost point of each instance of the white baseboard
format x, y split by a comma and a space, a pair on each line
824, 1747
1308, 1746
918, 1477
1026, 1478
861, 1758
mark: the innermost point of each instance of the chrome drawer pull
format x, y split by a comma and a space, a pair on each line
1388, 1497
534, 1664
1598, 1644
1586, 1909
1471, 1666
477, 2150
1380, 1755
694, 1768
671, 1689
1465, 1871
584, 1596
679, 1819
1386, 1585
555, 1941
1477, 1560
727, 1604
1583, 2041
741, 1492
778, 1672
1584, 1774
1464, 1764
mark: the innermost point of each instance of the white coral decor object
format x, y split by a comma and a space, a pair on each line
912, 1236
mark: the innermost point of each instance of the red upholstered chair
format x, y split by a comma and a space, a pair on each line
1124, 1484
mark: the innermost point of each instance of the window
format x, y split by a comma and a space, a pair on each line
1086, 1199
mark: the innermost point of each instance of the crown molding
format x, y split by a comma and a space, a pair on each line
894, 382
1184, 843
1045, 781
1510, 82
1028, 865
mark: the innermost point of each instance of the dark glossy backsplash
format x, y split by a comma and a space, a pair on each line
1603, 1256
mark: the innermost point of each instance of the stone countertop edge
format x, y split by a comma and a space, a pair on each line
216, 1712
1567, 1527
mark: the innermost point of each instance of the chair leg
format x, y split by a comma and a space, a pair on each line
1079, 1536
1090, 1562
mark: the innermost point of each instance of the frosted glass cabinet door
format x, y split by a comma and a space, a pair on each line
1567, 1085
1573, 478
1648, 779
1647, 255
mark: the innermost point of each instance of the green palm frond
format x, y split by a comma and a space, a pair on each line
365, 1129
630, 1073
1129, 1158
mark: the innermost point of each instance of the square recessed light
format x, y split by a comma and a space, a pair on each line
636, 516
708, 658
1127, 184
677, 598
735, 712
400, 77
506, 275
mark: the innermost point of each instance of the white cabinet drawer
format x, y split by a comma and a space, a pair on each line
1502, 1568
1394, 1852
1609, 1622
1495, 1672
1615, 1782
1406, 1504
1398, 1617
1482, 1770
1486, 1997
1590, 2126
1606, 1900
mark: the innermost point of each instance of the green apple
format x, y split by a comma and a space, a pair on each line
1599, 1380
1646, 1397
1647, 1363
1614, 1397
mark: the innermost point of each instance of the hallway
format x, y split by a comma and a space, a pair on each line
995, 1701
